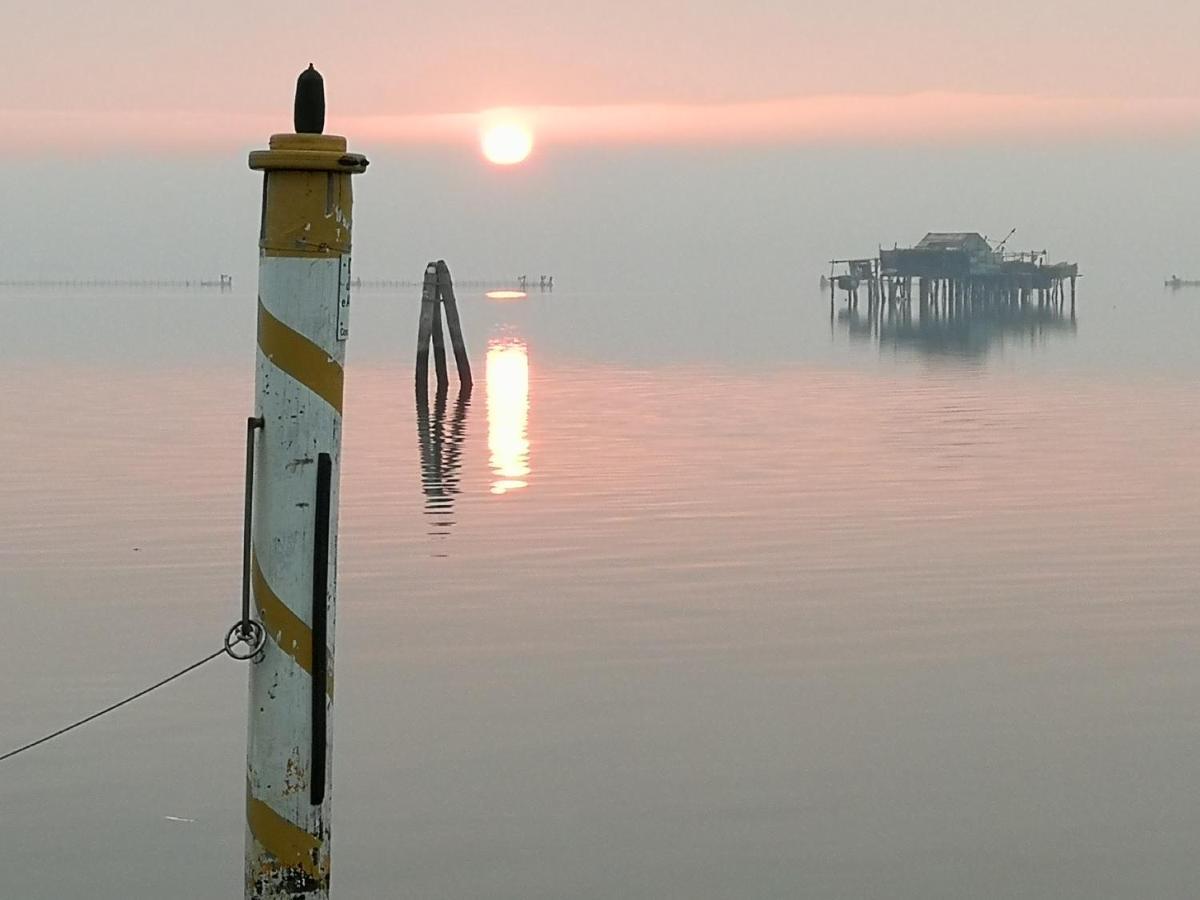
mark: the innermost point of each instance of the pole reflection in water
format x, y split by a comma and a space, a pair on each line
441, 456
508, 413
960, 328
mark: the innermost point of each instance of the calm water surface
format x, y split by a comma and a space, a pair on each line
691, 598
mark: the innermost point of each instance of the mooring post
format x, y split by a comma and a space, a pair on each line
303, 308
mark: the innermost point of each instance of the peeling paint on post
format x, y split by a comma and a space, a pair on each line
303, 304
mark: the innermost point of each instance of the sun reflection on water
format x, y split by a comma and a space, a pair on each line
508, 413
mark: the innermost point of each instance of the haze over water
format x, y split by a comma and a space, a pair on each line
699, 595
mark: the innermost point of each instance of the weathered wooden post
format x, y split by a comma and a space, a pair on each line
429, 310
303, 305
454, 324
439, 346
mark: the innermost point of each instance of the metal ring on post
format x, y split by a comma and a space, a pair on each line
250, 633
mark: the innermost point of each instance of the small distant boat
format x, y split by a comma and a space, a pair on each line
1176, 282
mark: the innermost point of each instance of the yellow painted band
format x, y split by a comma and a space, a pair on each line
307, 211
291, 845
284, 627
331, 143
300, 358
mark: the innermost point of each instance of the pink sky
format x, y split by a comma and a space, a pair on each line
173, 73
909, 118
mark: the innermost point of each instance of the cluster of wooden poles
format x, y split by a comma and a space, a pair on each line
437, 293
441, 447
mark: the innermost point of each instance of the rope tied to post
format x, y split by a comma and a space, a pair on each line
243, 641
251, 637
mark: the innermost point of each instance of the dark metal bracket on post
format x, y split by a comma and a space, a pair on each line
246, 631
320, 626
253, 423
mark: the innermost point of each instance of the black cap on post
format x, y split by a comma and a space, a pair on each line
309, 116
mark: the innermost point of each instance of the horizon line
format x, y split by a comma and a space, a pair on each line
913, 118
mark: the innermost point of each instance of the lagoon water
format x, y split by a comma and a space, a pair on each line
692, 598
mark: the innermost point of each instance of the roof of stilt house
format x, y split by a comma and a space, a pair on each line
967, 241
967, 254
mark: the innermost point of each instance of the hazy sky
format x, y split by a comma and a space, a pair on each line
185, 73
676, 142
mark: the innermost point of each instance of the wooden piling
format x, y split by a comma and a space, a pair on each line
454, 324
429, 293
439, 347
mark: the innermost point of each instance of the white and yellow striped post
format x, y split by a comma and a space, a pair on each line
303, 302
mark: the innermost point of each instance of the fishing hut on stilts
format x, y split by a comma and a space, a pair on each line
950, 280
949, 274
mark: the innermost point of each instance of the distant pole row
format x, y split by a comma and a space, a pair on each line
223, 282
520, 282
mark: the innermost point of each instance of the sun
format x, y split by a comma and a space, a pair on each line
507, 144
